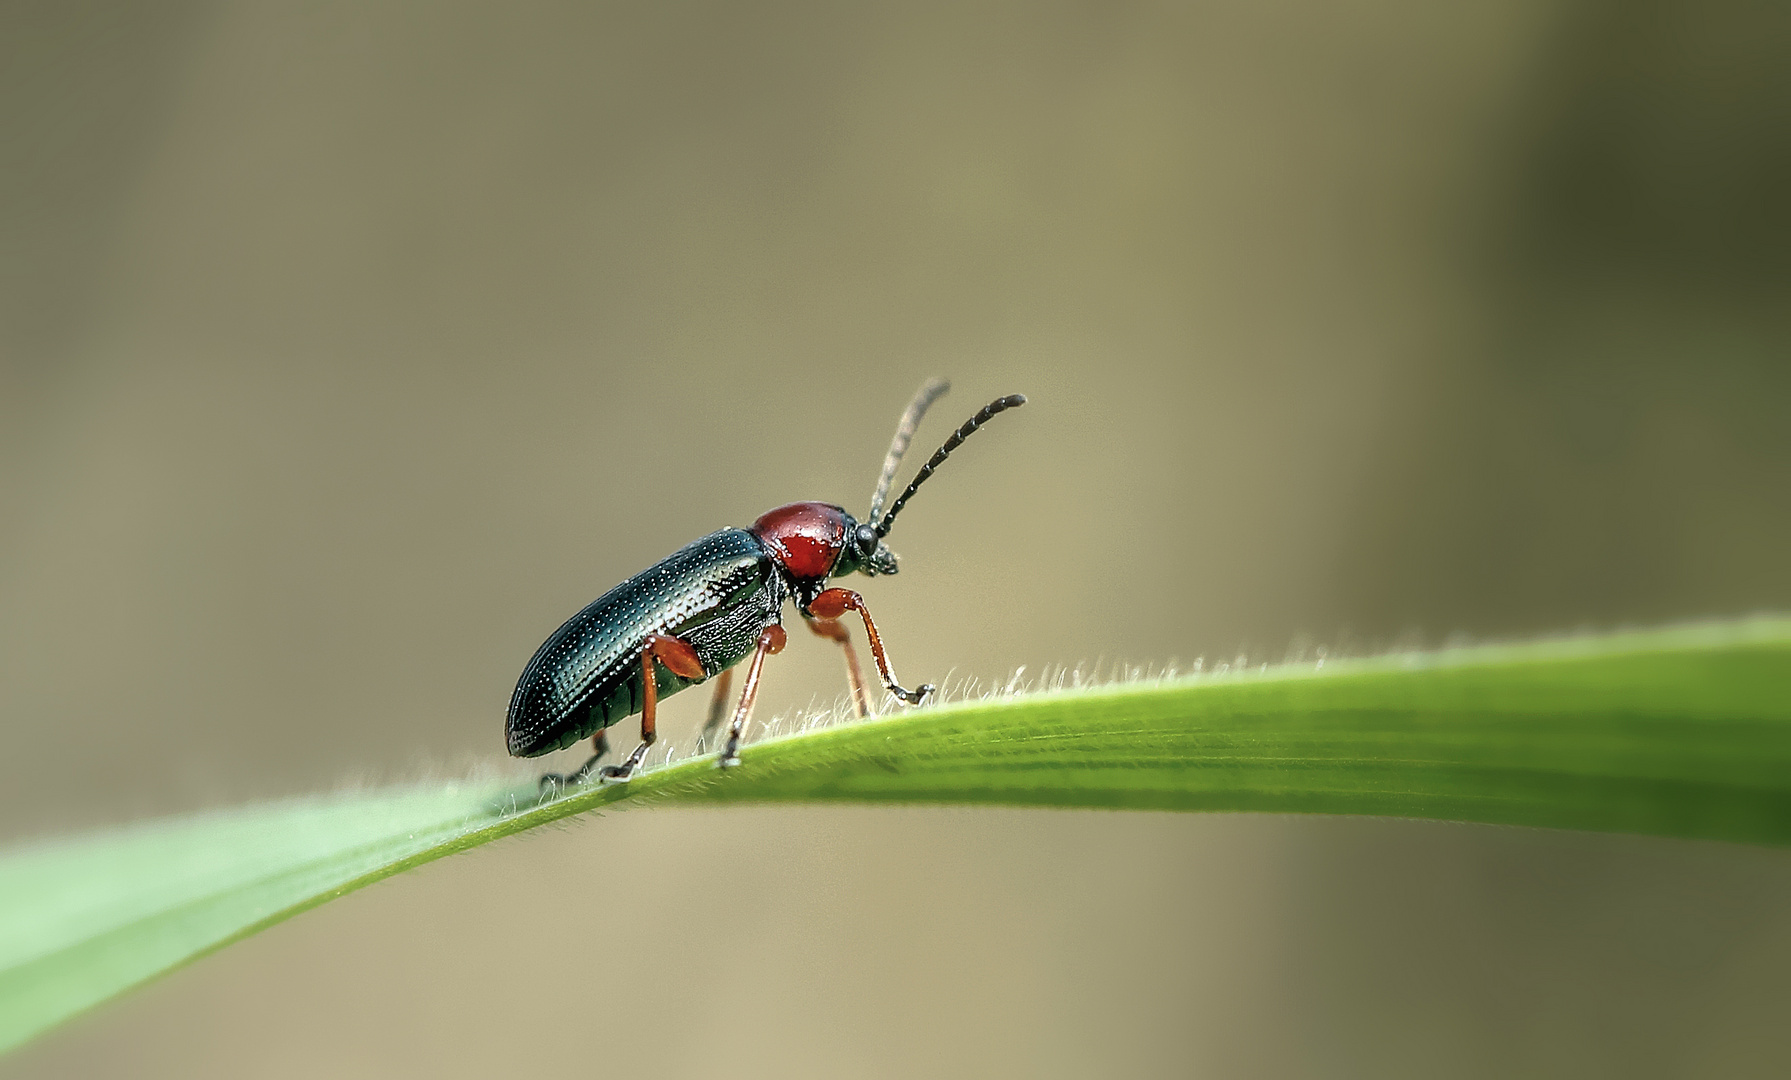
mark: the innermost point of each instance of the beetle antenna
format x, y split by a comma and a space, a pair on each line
932, 390
988, 412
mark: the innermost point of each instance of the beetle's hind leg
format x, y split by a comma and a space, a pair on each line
679, 659
600, 748
599, 751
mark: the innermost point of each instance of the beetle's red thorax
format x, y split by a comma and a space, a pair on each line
806, 537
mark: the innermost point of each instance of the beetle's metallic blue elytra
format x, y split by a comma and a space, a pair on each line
711, 605
717, 594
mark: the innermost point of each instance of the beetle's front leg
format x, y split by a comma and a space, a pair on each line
833, 631
836, 602
771, 642
679, 659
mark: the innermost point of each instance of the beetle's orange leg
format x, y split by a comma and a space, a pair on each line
832, 604
833, 631
679, 659
771, 641
718, 707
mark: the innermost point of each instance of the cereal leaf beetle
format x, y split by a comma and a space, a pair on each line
693, 616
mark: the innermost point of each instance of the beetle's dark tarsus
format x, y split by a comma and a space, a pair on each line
600, 750
707, 607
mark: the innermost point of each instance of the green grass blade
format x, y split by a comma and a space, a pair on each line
1681, 732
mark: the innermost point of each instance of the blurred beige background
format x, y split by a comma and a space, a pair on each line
346, 349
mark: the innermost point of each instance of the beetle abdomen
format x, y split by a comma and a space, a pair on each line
716, 593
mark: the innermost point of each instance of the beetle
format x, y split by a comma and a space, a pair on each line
704, 609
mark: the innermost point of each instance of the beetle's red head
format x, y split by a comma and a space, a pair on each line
814, 541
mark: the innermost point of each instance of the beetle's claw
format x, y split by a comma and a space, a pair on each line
615, 774
727, 761
913, 697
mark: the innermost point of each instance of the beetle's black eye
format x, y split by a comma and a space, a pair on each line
865, 541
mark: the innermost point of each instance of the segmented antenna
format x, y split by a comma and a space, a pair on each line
932, 390
989, 411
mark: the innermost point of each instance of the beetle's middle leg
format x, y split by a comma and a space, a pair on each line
833, 631
679, 659
718, 707
771, 642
